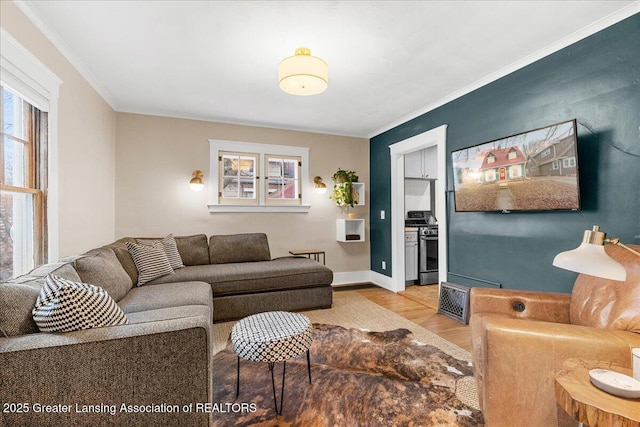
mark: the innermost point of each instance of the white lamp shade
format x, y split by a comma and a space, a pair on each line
592, 260
303, 74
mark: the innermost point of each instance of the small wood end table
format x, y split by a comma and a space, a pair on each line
313, 254
588, 404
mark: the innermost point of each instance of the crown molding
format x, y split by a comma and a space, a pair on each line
583, 33
26, 6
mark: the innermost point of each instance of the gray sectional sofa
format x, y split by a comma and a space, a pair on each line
160, 362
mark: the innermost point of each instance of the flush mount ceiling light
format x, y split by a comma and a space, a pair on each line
303, 74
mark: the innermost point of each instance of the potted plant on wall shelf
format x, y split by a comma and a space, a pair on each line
344, 194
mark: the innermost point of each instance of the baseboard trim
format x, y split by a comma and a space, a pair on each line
350, 278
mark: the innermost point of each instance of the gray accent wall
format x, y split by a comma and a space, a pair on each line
597, 82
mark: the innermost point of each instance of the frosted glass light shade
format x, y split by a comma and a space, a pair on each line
591, 259
303, 74
196, 186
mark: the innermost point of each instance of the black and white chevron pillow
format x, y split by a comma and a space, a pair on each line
64, 306
151, 261
170, 248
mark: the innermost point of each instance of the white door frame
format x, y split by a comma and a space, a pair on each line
435, 137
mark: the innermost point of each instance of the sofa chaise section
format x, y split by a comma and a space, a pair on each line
244, 279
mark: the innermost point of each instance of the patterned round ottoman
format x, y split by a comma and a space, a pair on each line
273, 336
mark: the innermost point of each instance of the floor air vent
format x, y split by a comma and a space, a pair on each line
453, 301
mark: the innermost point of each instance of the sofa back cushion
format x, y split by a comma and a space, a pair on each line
194, 250
16, 302
63, 268
18, 296
102, 268
239, 248
610, 304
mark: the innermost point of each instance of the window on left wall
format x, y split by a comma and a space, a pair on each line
23, 181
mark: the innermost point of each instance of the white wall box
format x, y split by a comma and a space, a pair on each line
359, 188
350, 230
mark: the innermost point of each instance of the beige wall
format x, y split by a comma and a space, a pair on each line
125, 174
156, 155
86, 144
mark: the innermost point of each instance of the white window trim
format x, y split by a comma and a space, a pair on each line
25, 74
216, 145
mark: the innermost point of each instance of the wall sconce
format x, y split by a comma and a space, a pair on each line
196, 182
321, 187
590, 257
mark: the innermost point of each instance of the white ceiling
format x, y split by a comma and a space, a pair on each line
388, 60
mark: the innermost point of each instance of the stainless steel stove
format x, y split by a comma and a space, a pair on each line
428, 245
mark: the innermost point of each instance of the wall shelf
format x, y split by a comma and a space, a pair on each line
348, 229
359, 188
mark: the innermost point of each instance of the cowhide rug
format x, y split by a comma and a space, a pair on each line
359, 378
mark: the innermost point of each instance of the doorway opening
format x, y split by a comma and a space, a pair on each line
435, 137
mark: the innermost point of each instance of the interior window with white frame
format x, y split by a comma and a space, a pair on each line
254, 177
238, 178
283, 179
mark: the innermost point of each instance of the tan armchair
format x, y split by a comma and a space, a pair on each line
520, 339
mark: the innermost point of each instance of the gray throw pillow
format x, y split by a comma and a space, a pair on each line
151, 261
170, 248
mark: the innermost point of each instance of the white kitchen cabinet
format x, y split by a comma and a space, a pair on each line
413, 165
421, 164
410, 256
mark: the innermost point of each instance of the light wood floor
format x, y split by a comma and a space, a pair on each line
419, 304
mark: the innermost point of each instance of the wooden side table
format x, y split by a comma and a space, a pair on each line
588, 404
313, 254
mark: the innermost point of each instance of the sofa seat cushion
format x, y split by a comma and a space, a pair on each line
251, 277
169, 313
166, 295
